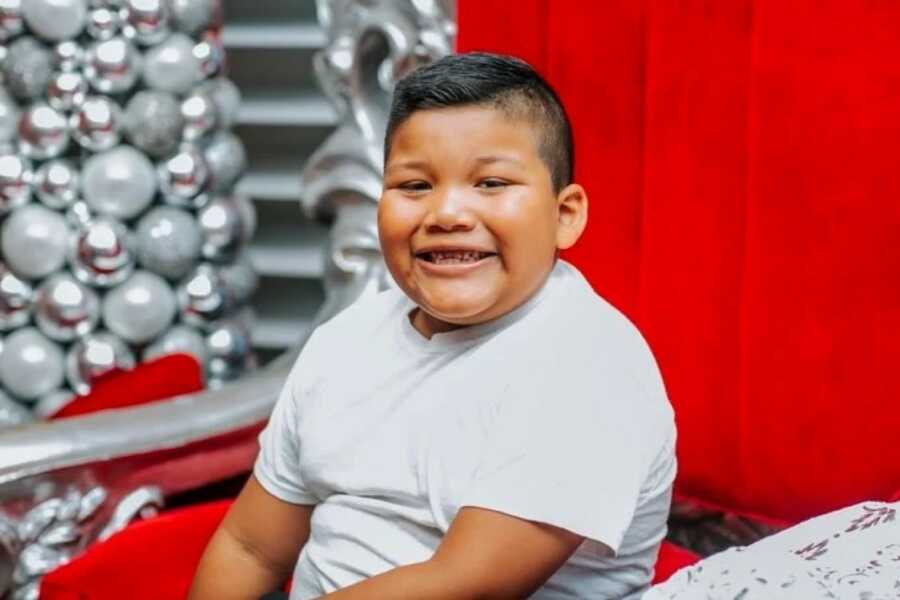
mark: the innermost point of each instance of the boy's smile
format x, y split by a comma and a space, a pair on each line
468, 221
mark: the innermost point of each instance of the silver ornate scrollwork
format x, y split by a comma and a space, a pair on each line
130, 459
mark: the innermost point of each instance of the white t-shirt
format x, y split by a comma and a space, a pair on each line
555, 412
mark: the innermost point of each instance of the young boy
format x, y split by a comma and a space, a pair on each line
496, 429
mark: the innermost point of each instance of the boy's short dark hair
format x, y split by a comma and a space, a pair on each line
503, 82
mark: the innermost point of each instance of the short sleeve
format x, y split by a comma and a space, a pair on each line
277, 466
575, 455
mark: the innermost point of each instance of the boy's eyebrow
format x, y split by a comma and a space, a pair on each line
407, 164
495, 158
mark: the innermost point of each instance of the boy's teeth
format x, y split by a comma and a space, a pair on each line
455, 257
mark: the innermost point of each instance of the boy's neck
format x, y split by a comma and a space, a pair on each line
427, 325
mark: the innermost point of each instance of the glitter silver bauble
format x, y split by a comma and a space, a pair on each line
241, 279
183, 177
210, 54
67, 56
50, 404
171, 66
26, 69
199, 112
226, 159
55, 19
15, 181
30, 365
12, 413
227, 97
112, 66
139, 309
94, 356
101, 253
56, 183
230, 351
96, 123
147, 21
203, 297
11, 22
66, 90
179, 339
65, 308
222, 228
120, 182
104, 23
34, 239
153, 122
168, 241
43, 132
16, 297
192, 16
9, 117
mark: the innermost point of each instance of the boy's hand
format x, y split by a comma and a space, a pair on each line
255, 548
485, 555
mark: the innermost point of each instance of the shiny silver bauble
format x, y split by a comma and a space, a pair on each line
104, 23
200, 115
55, 20
230, 351
34, 239
11, 21
227, 97
27, 68
50, 404
9, 117
65, 308
30, 365
96, 124
204, 297
182, 178
168, 241
102, 253
120, 182
67, 90
153, 122
94, 356
67, 56
56, 184
241, 279
112, 66
43, 132
210, 53
192, 16
139, 309
146, 21
222, 228
171, 66
79, 215
15, 181
180, 339
12, 413
226, 159
16, 296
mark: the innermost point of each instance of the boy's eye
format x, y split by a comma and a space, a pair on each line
492, 182
415, 186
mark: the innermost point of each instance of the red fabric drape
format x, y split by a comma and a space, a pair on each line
741, 160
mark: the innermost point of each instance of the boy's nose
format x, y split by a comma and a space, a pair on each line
449, 212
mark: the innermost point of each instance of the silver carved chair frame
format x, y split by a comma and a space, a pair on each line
67, 484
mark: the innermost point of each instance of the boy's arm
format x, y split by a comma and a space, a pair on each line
484, 555
255, 548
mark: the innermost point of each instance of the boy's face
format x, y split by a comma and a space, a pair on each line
468, 221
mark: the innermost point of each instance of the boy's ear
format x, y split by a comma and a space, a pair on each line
572, 202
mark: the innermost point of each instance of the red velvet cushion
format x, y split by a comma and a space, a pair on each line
672, 558
151, 381
740, 160
148, 560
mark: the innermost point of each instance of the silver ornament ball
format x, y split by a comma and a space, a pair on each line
222, 228
16, 298
179, 339
101, 253
12, 413
168, 241
104, 23
147, 21
139, 309
43, 132
226, 159
153, 122
171, 66
11, 21
182, 178
67, 56
210, 54
34, 239
55, 20
65, 308
112, 66
56, 183
230, 351
94, 356
227, 97
119, 182
15, 181
192, 16
79, 215
9, 117
96, 123
30, 365
200, 115
204, 297
66, 90
27, 68
50, 404
241, 279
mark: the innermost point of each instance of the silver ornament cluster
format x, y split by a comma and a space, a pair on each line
121, 237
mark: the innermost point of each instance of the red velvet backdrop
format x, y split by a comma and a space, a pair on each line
741, 159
